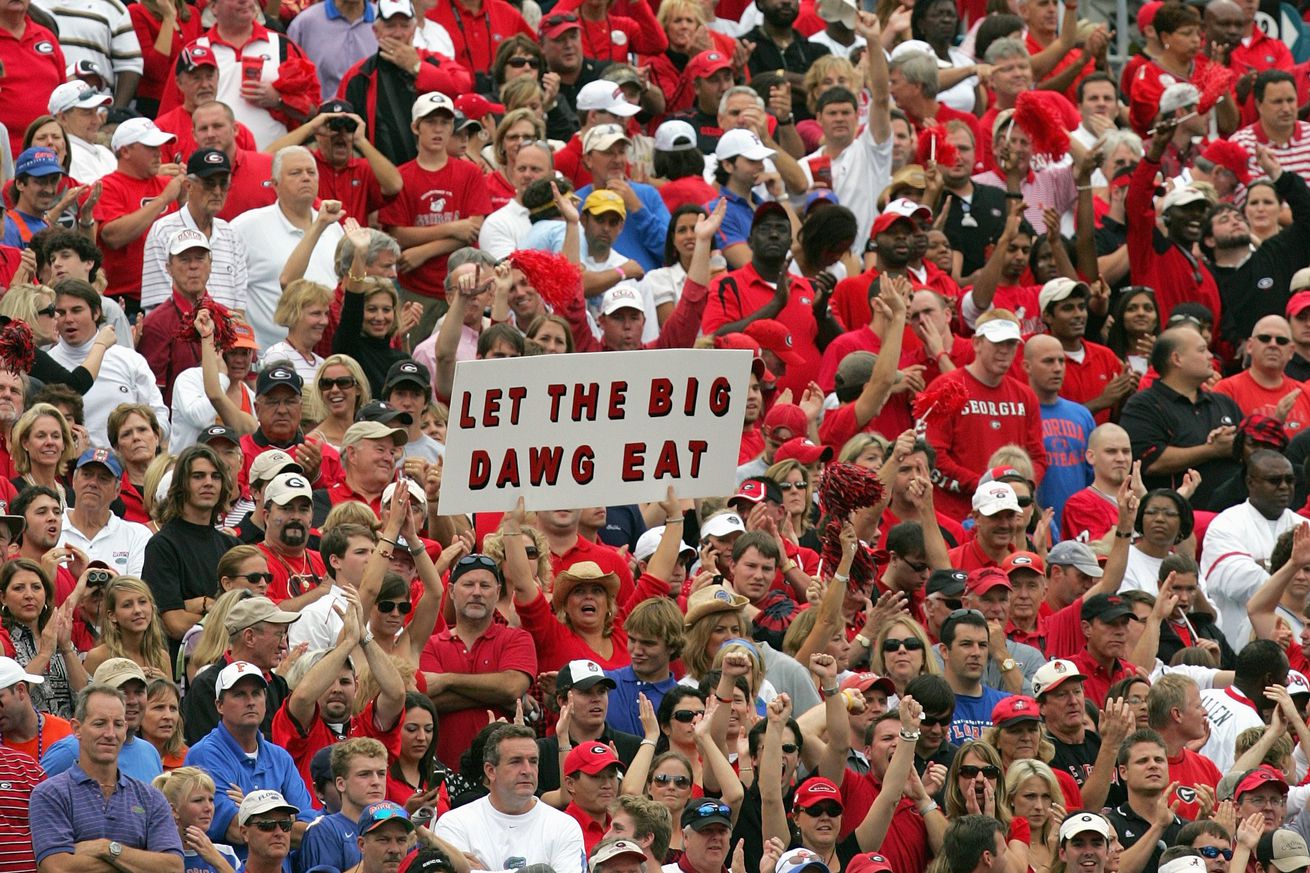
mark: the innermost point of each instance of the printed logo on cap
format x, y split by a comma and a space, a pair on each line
215, 158
408, 368
959, 575
723, 595
1058, 666
1019, 706
216, 429
280, 373
1186, 793
599, 750
820, 788
1022, 561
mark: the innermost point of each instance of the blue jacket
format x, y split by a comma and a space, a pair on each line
644, 231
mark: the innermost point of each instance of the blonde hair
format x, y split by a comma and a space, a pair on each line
299, 296
855, 446
175, 745
1020, 772
314, 401
955, 803
1045, 748
828, 65
518, 93
177, 785
351, 512
670, 8
930, 666
1011, 455
756, 678
20, 303
25, 423
512, 118
153, 647
214, 639
697, 636
493, 546
780, 471
154, 473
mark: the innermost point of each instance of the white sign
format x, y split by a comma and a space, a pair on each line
595, 429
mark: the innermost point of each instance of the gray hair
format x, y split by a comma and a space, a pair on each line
91, 690
918, 68
491, 751
1113, 139
281, 156
460, 257
307, 662
1005, 49
378, 242
736, 90
543, 147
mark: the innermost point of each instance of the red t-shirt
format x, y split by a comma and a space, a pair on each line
1062, 630
354, 185
752, 444
1087, 516
252, 186
430, 198
33, 67
499, 649
477, 35
1251, 398
906, 843
1086, 380
122, 195
969, 556
1190, 769
330, 470
741, 292
568, 161
283, 568
304, 743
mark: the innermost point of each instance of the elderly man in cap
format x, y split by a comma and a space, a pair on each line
599, 103
605, 155
265, 467
1010, 665
81, 111
278, 402
257, 633
296, 568
206, 185
236, 753
265, 820
136, 757
132, 827
189, 265
613, 855
584, 686
706, 837
37, 173
91, 526
385, 837
995, 513
22, 728
369, 450
1083, 754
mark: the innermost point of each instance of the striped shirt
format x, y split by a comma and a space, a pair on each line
1051, 187
69, 809
1294, 157
227, 272
19, 774
100, 31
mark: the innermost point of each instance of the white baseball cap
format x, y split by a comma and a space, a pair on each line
742, 143
264, 800
234, 673
11, 673
1185, 864
1178, 95
76, 95
1061, 288
388, 8
648, 542
1181, 196
606, 96
415, 494
139, 130
1051, 675
722, 524
286, 487
433, 101
186, 239
998, 330
675, 136
1082, 822
622, 296
908, 208
995, 497
837, 10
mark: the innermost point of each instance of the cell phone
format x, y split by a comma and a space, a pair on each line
821, 170
423, 816
439, 773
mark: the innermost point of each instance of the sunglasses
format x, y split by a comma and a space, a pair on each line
1024, 502
789, 748
711, 807
519, 63
477, 561
958, 614
686, 716
341, 382
276, 824
256, 578
791, 486
910, 644
1268, 338
666, 778
401, 606
937, 720
830, 808
916, 566
48, 312
969, 771
1213, 852
533, 553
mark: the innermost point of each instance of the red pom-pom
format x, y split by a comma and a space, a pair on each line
224, 335
1213, 81
298, 86
17, 347
943, 152
1038, 114
844, 489
941, 400
552, 275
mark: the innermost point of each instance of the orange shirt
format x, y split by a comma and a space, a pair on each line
52, 729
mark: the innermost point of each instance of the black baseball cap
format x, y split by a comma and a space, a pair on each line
204, 163
700, 814
949, 583
276, 377
1106, 607
407, 371
383, 413
218, 432
334, 105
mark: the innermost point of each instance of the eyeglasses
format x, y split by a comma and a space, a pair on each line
519, 63
789, 748
48, 312
1268, 338
916, 566
666, 778
937, 720
1263, 802
276, 824
686, 716
711, 808
387, 606
1213, 852
910, 644
1160, 510
791, 486
830, 808
256, 578
341, 382
969, 771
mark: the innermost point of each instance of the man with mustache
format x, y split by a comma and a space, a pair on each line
288, 505
384, 837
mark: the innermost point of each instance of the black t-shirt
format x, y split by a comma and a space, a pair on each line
181, 562
1130, 827
986, 220
750, 824
1076, 759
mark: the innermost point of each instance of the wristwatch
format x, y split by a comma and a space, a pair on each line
115, 849
1008, 664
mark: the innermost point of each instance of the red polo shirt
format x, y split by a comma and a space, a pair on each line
354, 185
340, 492
177, 121
1099, 679
303, 743
33, 66
735, 295
592, 831
283, 568
477, 35
252, 184
606, 558
1062, 629
970, 556
255, 444
906, 843
568, 161
122, 195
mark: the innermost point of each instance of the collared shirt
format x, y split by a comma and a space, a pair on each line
859, 173
255, 444
1131, 827
741, 292
333, 42
191, 409
1099, 678
338, 493
252, 184
120, 544
736, 227
355, 184
1050, 187
622, 712
99, 31
34, 66
70, 808
162, 345
504, 229
124, 377
592, 831
304, 741
261, 53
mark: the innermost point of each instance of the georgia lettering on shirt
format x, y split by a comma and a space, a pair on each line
996, 410
436, 199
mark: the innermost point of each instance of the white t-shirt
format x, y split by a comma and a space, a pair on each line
859, 174
1237, 547
541, 835
1230, 713
192, 411
1142, 572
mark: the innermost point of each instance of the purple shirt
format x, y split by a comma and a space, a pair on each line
69, 808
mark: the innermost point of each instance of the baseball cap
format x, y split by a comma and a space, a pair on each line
12, 672
984, 579
787, 415
263, 800
1071, 553
749, 344
432, 860
706, 64
377, 814
590, 758
884, 222
118, 671
278, 377
559, 23
1106, 607
1182, 196
195, 56
406, 371
602, 136
1082, 822
187, 239
603, 200
1014, 709
76, 95
464, 123
84, 68
1002, 473
1264, 430
675, 136
373, 430
709, 600
995, 497
757, 489
908, 208
624, 295
205, 163
1289, 850
1052, 675
816, 790
235, 672
998, 330
1297, 683
742, 143
426, 104
286, 487
820, 195
649, 541
243, 337
1258, 778
946, 582
1146, 15
1016, 561
722, 524
796, 860
268, 464
139, 130
775, 336
256, 610
1178, 95
336, 104
1061, 288
1185, 864
864, 681
416, 494
1299, 301
837, 10
383, 412
700, 814
38, 161
611, 849
606, 96
769, 209
103, 457
582, 674
388, 8
869, 862
476, 106
801, 449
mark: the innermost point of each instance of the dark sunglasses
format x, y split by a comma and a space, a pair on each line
256, 578
1287, 479
277, 824
1268, 338
533, 552
686, 716
1024, 502
789, 748
937, 720
969, 771
477, 561
916, 566
790, 486
911, 644
342, 382
518, 63
958, 614
666, 778
830, 808
401, 606
711, 807
48, 312
1213, 852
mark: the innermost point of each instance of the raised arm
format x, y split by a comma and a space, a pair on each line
302, 705
984, 290
329, 213
773, 815
1117, 562
715, 767
233, 416
870, 832
876, 76
1264, 602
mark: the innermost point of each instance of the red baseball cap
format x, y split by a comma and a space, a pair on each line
774, 336
883, 222
195, 56
984, 579
557, 24
1015, 709
869, 862
591, 758
1299, 302
816, 790
787, 415
864, 681
1146, 15
757, 490
750, 344
801, 449
477, 106
1258, 778
1023, 561
706, 64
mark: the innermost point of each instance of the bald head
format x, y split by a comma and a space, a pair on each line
1039, 345
1110, 452
1106, 434
1272, 323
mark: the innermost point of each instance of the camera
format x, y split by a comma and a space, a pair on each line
344, 125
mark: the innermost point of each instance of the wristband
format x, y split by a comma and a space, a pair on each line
1120, 535
646, 742
928, 807
840, 577
678, 520
727, 701
910, 736
830, 692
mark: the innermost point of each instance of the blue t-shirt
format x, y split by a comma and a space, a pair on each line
973, 715
1065, 428
193, 863
137, 758
13, 235
331, 841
